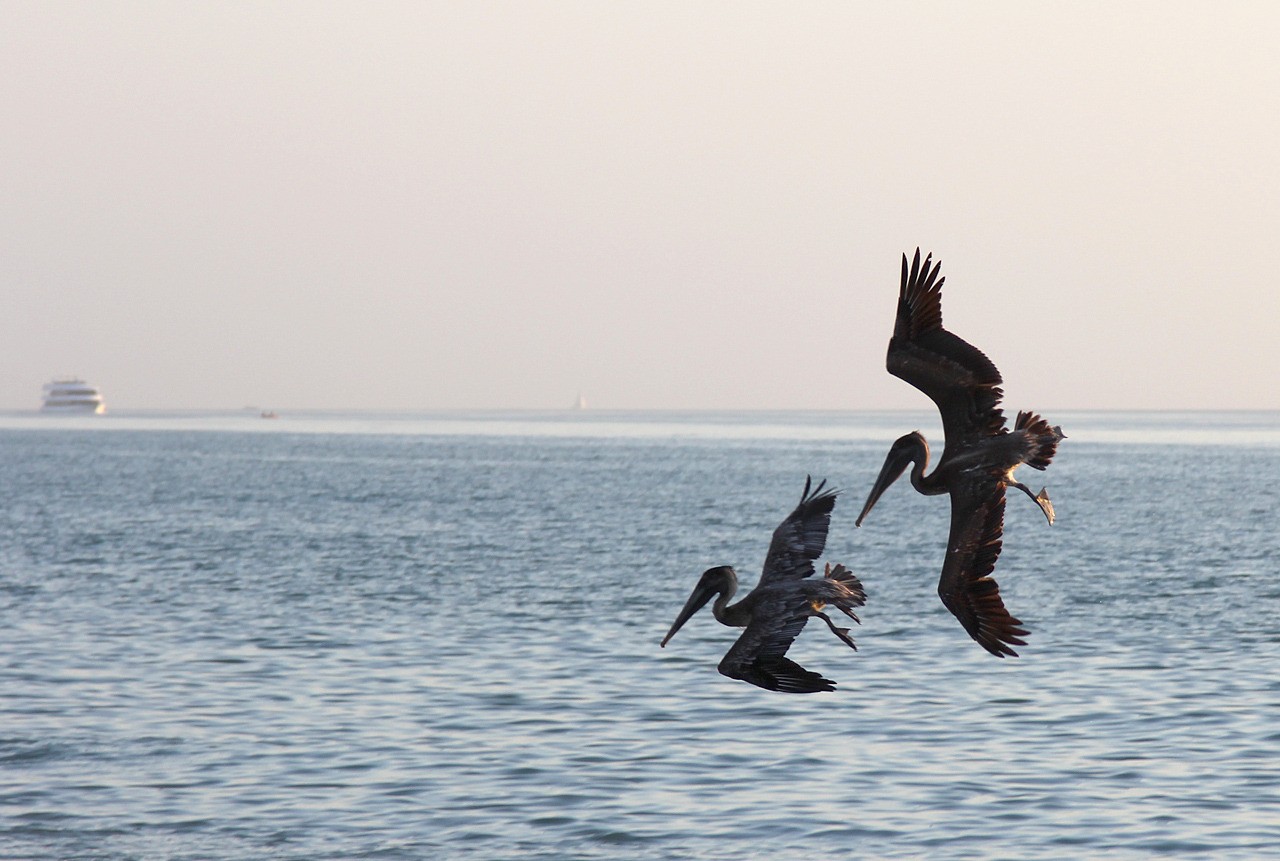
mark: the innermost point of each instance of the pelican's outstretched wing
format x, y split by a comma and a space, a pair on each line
956, 375
759, 656
966, 587
800, 538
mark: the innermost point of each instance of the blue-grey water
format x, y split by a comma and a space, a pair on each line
403, 637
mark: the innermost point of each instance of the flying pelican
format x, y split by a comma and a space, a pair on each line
979, 458
776, 610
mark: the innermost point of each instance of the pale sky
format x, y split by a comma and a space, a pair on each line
657, 204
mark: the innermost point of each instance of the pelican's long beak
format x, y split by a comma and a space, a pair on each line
895, 463
701, 595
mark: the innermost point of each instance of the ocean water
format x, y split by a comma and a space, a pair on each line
403, 637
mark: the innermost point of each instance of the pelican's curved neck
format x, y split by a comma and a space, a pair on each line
727, 587
919, 457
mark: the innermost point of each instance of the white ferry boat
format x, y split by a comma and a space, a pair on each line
72, 396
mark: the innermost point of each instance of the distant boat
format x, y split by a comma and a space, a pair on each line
72, 395
581, 402
270, 414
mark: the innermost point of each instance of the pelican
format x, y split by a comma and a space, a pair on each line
979, 458
776, 610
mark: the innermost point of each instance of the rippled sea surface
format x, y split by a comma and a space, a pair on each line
359, 637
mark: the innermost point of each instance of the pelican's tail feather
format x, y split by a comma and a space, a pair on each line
849, 591
1042, 438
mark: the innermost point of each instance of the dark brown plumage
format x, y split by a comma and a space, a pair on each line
978, 460
777, 609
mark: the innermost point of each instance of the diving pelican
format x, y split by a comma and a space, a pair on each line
776, 610
978, 460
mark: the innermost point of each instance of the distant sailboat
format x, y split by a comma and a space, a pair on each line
581, 402
72, 395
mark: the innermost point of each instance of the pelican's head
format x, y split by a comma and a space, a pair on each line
713, 580
904, 450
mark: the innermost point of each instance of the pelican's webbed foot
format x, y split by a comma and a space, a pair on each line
842, 633
1041, 499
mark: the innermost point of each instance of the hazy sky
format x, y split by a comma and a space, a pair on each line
669, 205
